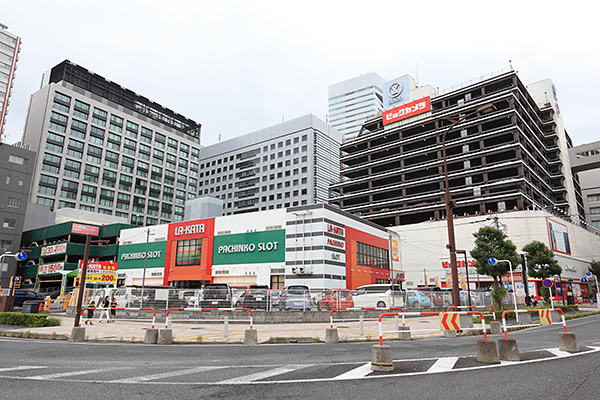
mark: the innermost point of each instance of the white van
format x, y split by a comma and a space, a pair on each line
127, 297
378, 296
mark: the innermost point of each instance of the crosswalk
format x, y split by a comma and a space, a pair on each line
258, 374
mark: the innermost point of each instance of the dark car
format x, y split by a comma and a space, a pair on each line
216, 295
256, 297
23, 295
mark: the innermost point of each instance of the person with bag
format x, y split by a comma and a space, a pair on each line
90, 312
113, 309
104, 309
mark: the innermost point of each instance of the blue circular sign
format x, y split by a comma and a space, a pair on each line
492, 261
588, 273
547, 283
21, 256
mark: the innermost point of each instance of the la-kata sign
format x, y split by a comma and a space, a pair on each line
100, 271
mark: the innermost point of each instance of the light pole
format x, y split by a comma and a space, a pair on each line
493, 261
145, 262
449, 205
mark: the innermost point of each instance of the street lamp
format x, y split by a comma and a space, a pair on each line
148, 233
449, 205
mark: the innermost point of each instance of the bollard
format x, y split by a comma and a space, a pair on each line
151, 336
404, 333
381, 358
250, 336
77, 334
226, 328
331, 335
495, 328
165, 336
508, 350
567, 342
361, 325
486, 352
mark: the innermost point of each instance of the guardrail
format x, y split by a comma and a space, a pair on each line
381, 331
122, 308
225, 319
545, 315
468, 307
360, 319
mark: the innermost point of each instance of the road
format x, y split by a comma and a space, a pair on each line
425, 369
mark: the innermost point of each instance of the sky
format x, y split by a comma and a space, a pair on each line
239, 66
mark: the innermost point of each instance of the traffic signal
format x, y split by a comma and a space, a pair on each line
76, 282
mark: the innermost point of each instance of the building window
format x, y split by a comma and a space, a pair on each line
9, 223
6, 244
14, 202
17, 160
371, 256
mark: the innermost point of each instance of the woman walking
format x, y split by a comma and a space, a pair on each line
104, 309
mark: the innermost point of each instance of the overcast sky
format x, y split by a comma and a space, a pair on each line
239, 66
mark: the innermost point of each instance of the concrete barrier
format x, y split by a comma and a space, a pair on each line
567, 342
331, 335
524, 318
508, 350
404, 333
381, 358
495, 328
77, 334
486, 352
151, 336
450, 334
165, 336
250, 336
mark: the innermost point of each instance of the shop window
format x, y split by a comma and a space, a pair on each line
189, 252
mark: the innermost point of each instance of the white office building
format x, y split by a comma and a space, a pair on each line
353, 101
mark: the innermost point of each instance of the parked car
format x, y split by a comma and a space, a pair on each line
335, 298
378, 296
256, 297
23, 295
275, 299
216, 295
417, 299
194, 301
295, 297
438, 297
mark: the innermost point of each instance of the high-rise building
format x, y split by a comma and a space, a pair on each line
353, 101
286, 165
513, 158
16, 171
105, 149
10, 46
585, 162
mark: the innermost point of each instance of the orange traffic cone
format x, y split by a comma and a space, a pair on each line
41, 308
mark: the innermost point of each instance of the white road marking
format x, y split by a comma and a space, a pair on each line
171, 374
18, 368
261, 375
71, 373
558, 352
443, 364
356, 373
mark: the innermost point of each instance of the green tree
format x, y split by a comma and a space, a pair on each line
540, 260
491, 242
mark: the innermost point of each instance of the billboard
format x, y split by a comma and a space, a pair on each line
249, 248
395, 92
407, 110
558, 235
134, 255
100, 271
52, 268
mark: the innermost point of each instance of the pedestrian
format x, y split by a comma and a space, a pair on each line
534, 302
113, 309
528, 301
90, 312
104, 309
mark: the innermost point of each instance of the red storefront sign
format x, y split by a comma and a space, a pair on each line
407, 110
85, 229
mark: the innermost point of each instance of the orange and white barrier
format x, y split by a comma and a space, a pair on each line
545, 318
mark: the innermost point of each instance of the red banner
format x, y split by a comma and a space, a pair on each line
407, 110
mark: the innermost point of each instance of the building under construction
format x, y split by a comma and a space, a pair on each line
513, 157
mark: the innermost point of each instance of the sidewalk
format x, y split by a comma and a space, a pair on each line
134, 331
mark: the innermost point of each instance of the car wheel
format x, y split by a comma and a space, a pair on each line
446, 304
416, 304
380, 304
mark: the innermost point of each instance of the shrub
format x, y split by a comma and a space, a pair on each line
28, 320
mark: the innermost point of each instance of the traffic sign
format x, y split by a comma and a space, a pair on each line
547, 283
584, 280
545, 317
588, 273
449, 321
492, 261
21, 256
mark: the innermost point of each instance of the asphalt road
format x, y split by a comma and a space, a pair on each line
425, 369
